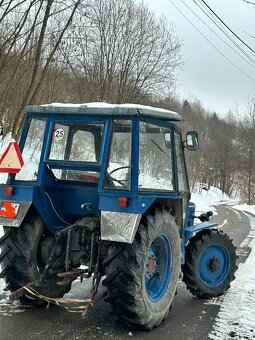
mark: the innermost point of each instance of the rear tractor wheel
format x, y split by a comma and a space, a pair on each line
24, 254
142, 277
210, 263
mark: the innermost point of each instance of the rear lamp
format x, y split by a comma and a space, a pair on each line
8, 191
123, 202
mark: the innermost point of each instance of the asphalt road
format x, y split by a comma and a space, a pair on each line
190, 318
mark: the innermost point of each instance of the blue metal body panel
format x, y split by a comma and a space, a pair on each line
191, 214
21, 192
189, 231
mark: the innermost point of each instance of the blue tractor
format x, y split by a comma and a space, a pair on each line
104, 192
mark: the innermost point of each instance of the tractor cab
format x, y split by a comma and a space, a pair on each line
98, 158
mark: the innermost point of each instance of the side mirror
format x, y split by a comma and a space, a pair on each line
192, 140
1, 129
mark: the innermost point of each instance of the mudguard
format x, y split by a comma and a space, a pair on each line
12, 213
118, 226
190, 231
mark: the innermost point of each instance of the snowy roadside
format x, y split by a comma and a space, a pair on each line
235, 319
205, 199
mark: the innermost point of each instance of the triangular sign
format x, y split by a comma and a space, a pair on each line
11, 160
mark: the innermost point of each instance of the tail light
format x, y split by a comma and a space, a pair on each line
8, 191
123, 202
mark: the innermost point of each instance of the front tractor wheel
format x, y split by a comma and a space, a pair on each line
142, 277
210, 263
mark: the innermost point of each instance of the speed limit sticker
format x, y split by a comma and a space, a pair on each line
59, 134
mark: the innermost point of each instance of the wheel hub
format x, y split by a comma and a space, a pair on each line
214, 264
151, 265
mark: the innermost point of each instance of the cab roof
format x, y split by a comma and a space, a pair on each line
101, 108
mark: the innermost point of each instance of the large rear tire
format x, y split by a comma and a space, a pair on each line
22, 263
142, 277
210, 263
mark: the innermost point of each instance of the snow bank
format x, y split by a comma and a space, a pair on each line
205, 199
245, 207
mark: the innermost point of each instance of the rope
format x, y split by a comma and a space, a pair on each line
82, 309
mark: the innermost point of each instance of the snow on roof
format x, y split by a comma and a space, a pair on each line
103, 108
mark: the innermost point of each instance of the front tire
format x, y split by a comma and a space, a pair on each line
21, 260
142, 277
210, 263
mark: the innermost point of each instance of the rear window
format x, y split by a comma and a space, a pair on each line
76, 142
32, 150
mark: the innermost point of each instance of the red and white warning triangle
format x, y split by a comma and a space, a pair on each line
11, 160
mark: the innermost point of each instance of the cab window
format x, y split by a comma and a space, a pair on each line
155, 158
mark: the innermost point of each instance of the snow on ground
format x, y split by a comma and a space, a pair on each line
205, 199
235, 319
246, 208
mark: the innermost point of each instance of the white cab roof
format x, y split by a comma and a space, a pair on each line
101, 108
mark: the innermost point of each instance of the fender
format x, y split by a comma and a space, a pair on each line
119, 226
189, 231
12, 212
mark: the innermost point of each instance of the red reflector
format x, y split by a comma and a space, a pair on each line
123, 202
8, 191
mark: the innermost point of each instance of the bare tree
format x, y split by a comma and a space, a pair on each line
247, 153
82, 50
121, 52
31, 33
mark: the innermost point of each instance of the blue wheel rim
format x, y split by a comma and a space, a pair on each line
158, 267
214, 266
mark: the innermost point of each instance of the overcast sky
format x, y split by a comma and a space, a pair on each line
206, 74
